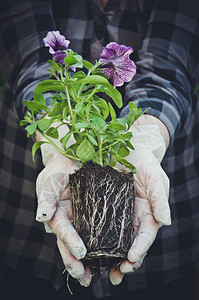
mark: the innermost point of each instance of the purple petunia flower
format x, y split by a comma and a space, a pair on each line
56, 43
116, 63
59, 57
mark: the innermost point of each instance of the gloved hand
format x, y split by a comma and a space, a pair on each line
55, 210
152, 192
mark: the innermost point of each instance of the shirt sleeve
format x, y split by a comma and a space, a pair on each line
23, 25
167, 67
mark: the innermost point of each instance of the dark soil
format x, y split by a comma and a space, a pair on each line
103, 201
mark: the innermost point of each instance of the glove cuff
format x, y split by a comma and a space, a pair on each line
148, 137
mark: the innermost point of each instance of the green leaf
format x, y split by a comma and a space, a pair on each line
126, 136
114, 94
92, 140
49, 85
28, 115
98, 122
74, 147
130, 118
65, 112
63, 96
124, 162
133, 107
96, 160
55, 65
105, 156
65, 139
24, 122
79, 75
82, 125
134, 114
94, 79
118, 124
110, 136
85, 151
98, 71
35, 107
70, 152
103, 106
53, 132
87, 64
56, 97
128, 143
96, 108
123, 151
53, 102
43, 124
35, 147
87, 108
79, 63
73, 60
79, 107
112, 163
56, 110
112, 112
78, 137
31, 128
40, 99
70, 60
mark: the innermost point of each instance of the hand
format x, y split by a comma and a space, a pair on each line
55, 210
151, 202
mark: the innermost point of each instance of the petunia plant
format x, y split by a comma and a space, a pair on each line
75, 86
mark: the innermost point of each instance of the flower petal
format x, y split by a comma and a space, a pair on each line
59, 57
55, 41
122, 74
113, 50
116, 63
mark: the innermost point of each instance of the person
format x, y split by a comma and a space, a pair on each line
164, 37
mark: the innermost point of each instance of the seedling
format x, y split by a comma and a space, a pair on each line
100, 194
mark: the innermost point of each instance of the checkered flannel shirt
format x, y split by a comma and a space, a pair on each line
165, 38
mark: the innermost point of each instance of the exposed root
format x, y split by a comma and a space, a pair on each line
67, 283
103, 201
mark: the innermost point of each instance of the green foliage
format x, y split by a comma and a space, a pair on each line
75, 103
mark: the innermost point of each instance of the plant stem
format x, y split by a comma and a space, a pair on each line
56, 147
88, 74
111, 145
69, 106
74, 94
91, 94
93, 68
51, 142
68, 97
100, 150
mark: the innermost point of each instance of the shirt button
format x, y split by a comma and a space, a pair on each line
99, 22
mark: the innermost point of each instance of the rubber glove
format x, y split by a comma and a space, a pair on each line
152, 192
55, 210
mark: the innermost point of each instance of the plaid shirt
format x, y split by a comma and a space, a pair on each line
165, 37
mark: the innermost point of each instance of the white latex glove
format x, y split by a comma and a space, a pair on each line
55, 210
152, 192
